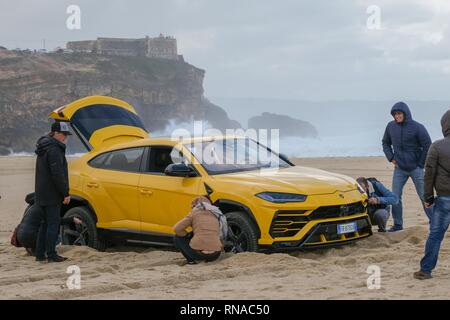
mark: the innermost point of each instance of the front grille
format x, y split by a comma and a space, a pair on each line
337, 211
287, 223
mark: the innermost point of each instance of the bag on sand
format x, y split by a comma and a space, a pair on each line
14, 240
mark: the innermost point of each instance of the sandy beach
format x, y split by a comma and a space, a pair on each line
154, 273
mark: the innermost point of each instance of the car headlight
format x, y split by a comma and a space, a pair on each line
281, 197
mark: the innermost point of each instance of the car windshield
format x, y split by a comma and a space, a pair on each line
234, 155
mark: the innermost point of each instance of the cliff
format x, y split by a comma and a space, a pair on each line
289, 127
31, 85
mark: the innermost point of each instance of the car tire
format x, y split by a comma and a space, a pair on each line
85, 234
242, 232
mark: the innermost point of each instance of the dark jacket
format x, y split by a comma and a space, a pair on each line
437, 166
52, 179
383, 194
28, 228
407, 142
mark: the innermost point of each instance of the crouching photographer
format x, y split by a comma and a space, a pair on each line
379, 201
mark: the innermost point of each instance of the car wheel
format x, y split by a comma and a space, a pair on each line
85, 234
242, 232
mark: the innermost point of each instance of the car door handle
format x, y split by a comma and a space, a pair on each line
146, 192
92, 184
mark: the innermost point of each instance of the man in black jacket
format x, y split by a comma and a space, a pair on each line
51, 188
437, 177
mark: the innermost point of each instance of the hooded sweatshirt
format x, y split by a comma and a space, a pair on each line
406, 142
437, 166
52, 179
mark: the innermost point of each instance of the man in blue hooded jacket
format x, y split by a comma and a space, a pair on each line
405, 144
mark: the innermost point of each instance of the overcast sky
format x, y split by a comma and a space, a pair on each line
319, 50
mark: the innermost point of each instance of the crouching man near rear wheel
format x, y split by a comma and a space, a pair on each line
209, 229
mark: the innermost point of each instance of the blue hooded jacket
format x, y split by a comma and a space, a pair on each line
407, 142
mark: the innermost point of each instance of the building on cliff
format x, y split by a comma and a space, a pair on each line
160, 47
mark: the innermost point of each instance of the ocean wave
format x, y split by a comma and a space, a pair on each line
331, 146
361, 139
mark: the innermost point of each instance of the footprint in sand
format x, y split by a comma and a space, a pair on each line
105, 270
133, 285
345, 262
414, 240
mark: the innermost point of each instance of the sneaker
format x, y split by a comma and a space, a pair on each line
395, 228
57, 259
420, 275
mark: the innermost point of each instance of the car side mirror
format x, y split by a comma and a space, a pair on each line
179, 170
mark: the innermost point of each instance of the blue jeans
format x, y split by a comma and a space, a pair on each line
439, 225
48, 232
398, 182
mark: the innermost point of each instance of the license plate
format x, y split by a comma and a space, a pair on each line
347, 228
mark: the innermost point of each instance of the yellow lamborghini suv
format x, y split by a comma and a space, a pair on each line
130, 187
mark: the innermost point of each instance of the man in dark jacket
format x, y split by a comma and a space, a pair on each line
28, 229
51, 188
379, 200
437, 177
405, 144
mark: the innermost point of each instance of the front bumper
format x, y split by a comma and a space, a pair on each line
314, 222
324, 234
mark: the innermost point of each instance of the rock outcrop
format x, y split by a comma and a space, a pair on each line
33, 84
289, 127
